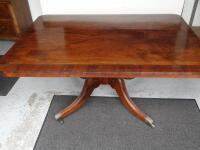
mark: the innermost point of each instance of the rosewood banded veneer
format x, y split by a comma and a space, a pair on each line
105, 49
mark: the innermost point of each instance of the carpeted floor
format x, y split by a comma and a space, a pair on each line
6, 84
104, 124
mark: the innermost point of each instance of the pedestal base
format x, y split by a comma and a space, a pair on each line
118, 85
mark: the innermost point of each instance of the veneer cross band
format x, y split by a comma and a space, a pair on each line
105, 49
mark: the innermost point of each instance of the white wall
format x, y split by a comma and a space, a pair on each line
187, 10
197, 16
39, 7
111, 6
35, 7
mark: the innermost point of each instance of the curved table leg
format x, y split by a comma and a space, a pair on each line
89, 86
120, 87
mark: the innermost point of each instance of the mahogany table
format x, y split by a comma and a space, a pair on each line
105, 49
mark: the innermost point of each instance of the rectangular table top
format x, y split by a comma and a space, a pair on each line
121, 46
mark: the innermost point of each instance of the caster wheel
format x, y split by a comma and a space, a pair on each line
61, 121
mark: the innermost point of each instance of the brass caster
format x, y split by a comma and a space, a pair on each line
149, 122
57, 117
61, 121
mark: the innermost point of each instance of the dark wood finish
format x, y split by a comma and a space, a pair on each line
15, 18
118, 85
105, 49
89, 86
7, 29
4, 11
114, 46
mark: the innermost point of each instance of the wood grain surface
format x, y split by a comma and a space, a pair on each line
115, 46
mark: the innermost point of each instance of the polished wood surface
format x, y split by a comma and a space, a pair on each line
120, 87
117, 84
4, 11
88, 87
15, 18
7, 30
105, 49
115, 46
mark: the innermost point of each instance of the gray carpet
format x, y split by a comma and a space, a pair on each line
6, 85
104, 124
